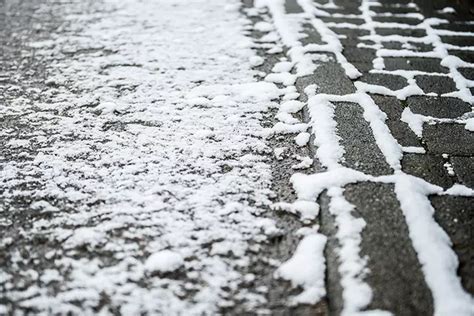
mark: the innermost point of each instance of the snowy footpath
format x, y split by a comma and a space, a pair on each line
234, 157
143, 168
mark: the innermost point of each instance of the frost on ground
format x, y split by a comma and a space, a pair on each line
144, 172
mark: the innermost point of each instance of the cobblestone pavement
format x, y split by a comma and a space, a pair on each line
373, 121
413, 67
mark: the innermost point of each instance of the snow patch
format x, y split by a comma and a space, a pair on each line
163, 261
306, 268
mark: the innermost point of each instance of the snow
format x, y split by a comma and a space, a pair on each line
292, 106
284, 78
321, 112
470, 124
283, 66
306, 268
256, 61
414, 121
414, 150
287, 118
164, 261
129, 144
307, 210
302, 139
305, 162
447, 10
149, 157
263, 26
278, 152
283, 128
459, 190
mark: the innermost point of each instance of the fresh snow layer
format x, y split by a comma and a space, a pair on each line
302, 139
306, 268
151, 146
470, 124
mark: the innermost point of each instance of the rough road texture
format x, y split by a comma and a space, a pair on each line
123, 138
111, 156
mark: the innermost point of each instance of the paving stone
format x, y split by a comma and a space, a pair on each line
330, 19
420, 47
417, 47
414, 63
312, 35
350, 42
330, 78
428, 167
452, 139
459, 40
454, 27
350, 33
390, 81
359, 54
464, 55
392, 45
396, 19
361, 151
438, 107
464, 169
436, 84
292, 7
347, 7
403, 32
430, 7
363, 66
393, 108
395, 273
468, 73
456, 216
393, 9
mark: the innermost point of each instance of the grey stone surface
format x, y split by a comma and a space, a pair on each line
463, 54
428, 167
363, 55
393, 108
362, 153
402, 32
414, 63
390, 81
456, 216
438, 107
395, 273
464, 170
330, 78
451, 139
436, 84
459, 40
468, 73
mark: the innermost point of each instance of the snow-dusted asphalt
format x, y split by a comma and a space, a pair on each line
143, 167
192, 158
